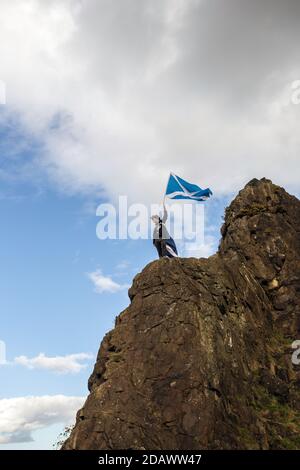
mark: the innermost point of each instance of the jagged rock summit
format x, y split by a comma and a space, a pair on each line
201, 359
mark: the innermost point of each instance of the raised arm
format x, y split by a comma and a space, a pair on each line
165, 216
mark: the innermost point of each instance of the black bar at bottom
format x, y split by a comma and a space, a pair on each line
134, 459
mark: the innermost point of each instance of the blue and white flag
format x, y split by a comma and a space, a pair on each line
178, 188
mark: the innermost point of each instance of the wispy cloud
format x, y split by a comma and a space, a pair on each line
19, 417
123, 265
105, 283
71, 363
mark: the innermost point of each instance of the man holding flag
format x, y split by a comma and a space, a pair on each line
177, 188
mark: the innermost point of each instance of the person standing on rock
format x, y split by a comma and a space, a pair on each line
162, 241
177, 189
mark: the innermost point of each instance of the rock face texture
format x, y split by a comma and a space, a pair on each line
202, 357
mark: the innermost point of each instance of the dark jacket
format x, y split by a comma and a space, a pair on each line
161, 237
160, 231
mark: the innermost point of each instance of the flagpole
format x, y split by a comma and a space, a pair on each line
165, 195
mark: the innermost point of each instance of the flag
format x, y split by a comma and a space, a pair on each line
178, 188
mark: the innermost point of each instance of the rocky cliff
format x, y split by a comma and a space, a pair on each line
201, 359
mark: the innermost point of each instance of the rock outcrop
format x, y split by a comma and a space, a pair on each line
201, 359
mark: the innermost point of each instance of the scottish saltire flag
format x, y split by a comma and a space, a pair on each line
178, 188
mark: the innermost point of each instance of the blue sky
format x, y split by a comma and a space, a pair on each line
100, 99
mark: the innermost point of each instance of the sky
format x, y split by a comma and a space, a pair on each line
102, 98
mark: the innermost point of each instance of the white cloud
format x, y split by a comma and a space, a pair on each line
105, 283
120, 93
71, 363
19, 417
